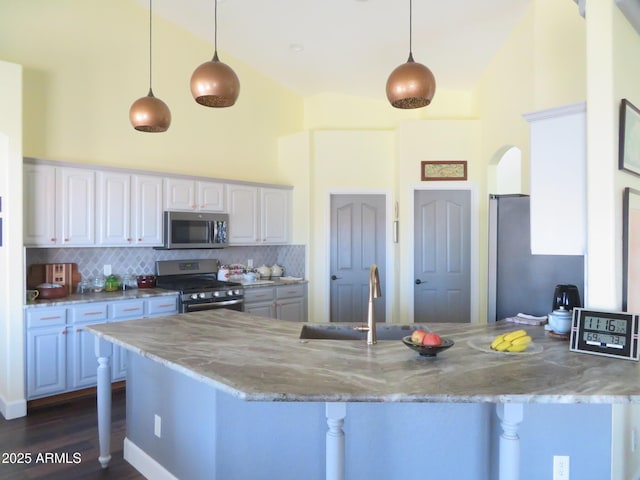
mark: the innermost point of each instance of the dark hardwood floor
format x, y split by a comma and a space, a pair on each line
62, 441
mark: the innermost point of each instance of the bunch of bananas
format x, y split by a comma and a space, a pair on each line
517, 341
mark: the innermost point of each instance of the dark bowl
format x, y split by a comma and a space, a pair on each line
426, 350
47, 293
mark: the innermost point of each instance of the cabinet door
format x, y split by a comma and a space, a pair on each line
46, 361
275, 216
210, 196
39, 205
113, 208
82, 363
75, 206
291, 309
165, 305
180, 194
242, 205
265, 309
146, 210
119, 311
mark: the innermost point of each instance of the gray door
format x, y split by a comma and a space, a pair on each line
442, 283
357, 241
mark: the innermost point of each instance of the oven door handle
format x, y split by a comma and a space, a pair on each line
211, 305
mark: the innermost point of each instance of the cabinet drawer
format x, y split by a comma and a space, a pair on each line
165, 305
91, 312
126, 309
46, 317
288, 291
261, 294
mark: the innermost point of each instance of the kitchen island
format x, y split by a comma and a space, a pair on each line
244, 383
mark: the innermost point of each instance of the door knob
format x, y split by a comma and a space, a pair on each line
333, 277
418, 281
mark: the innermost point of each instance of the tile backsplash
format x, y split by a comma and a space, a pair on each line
138, 261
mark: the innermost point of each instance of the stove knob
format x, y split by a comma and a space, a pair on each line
194, 296
216, 294
237, 292
229, 293
202, 295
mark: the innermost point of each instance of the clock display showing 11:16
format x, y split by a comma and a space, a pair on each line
609, 325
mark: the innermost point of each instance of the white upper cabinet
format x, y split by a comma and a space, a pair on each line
194, 195
258, 215
558, 180
129, 209
70, 206
146, 212
59, 206
274, 215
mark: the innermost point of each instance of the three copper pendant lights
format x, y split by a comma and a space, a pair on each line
215, 84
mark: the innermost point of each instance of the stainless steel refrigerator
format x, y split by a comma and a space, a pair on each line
520, 282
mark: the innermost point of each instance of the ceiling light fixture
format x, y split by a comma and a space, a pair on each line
215, 84
150, 114
411, 85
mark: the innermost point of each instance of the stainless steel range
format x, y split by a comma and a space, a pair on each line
198, 285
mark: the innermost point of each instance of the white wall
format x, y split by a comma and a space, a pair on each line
12, 281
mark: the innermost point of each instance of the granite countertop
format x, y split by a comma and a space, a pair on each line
76, 298
264, 360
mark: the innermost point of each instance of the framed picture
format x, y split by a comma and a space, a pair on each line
629, 138
443, 170
631, 250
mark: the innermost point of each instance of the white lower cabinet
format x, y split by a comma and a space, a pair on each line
284, 302
60, 353
46, 351
81, 354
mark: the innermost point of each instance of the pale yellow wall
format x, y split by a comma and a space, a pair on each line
332, 111
85, 63
435, 140
613, 73
12, 271
355, 161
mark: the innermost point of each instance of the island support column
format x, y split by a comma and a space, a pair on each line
103, 352
335, 411
510, 415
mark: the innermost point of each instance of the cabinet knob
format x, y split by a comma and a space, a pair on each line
64, 332
78, 330
139, 240
52, 239
66, 239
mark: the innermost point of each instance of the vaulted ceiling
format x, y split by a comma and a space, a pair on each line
351, 46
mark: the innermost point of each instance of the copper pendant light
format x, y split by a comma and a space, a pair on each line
215, 84
411, 85
150, 114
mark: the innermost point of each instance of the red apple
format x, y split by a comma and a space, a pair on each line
431, 340
417, 336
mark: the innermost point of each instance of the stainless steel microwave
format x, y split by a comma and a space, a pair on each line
195, 230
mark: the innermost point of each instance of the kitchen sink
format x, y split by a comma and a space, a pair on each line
346, 331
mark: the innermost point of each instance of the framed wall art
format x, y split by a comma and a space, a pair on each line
631, 250
443, 170
629, 138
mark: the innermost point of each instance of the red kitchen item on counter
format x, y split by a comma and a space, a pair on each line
146, 281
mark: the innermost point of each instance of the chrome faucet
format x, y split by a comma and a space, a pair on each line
374, 292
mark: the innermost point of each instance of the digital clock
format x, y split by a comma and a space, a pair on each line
612, 334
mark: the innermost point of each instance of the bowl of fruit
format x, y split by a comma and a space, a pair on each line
427, 344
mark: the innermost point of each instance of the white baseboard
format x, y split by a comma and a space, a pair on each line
146, 465
11, 410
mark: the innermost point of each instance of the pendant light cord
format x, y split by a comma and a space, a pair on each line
215, 29
410, 27
150, 27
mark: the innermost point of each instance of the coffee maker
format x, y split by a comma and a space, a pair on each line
566, 297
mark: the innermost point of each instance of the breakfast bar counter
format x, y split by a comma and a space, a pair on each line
252, 359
